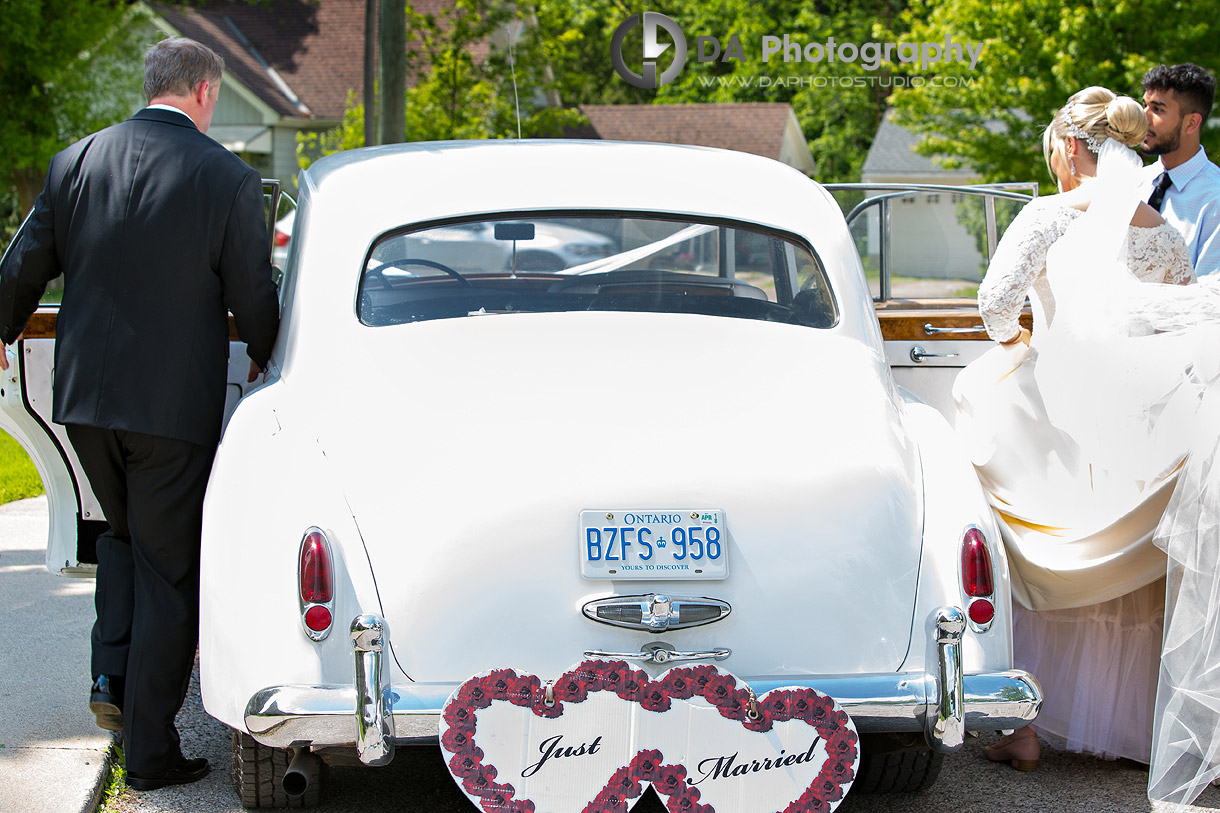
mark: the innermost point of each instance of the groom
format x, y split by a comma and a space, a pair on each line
1183, 184
157, 229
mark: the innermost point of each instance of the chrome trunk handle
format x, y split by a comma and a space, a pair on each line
661, 653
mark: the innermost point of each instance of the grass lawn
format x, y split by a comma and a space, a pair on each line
18, 478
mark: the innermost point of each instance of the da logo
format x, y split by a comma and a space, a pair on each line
651, 21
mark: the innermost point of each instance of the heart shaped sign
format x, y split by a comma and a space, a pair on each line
593, 740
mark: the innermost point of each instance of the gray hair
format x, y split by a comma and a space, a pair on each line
175, 67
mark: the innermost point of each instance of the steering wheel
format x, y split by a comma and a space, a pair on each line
404, 262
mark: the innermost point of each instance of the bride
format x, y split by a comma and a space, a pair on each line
1081, 437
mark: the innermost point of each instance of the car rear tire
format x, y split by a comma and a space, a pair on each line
258, 775
896, 763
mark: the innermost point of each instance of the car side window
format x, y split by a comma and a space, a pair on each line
928, 242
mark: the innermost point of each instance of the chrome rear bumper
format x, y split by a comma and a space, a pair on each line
942, 703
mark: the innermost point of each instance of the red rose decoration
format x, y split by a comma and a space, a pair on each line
671, 779
498, 683
654, 698
543, 710
521, 806
687, 802
646, 765
522, 690
614, 679
457, 740
677, 684
468, 762
459, 716
633, 685
598, 672
700, 675
720, 690
572, 687
625, 782
762, 720
829, 790
779, 706
474, 696
840, 769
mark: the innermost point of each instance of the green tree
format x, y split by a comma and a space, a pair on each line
1036, 54
467, 82
838, 105
63, 67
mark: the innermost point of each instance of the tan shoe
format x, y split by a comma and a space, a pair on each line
1020, 749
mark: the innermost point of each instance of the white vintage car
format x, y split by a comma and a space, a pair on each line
689, 450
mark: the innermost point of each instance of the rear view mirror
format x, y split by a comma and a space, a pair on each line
514, 231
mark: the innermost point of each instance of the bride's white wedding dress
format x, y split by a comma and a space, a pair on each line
1095, 446
1079, 543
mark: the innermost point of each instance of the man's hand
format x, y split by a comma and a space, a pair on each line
255, 372
4, 352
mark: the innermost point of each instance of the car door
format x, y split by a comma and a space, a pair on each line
76, 517
925, 249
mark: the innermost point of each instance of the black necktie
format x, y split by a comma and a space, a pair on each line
1158, 194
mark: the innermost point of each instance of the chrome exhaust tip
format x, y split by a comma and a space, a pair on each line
303, 766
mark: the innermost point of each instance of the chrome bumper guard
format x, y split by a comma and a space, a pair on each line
371, 715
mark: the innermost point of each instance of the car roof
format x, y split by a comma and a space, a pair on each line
419, 182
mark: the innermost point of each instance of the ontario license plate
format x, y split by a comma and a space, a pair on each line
685, 543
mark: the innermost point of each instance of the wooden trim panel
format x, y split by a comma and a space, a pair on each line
901, 320
42, 325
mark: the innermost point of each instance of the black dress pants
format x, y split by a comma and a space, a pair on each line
147, 594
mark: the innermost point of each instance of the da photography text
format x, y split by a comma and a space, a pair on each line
787, 48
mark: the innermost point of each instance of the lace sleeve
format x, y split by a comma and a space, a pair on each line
1179, 271
1159, 255
1019, 259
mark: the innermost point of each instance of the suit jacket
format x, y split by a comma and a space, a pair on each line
158, 230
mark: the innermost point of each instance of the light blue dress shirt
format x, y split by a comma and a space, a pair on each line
1192, 206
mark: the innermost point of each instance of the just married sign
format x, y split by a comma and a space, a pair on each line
595, 738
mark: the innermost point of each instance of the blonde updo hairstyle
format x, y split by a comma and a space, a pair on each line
1099, 113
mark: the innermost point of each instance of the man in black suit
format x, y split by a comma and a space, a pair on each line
158, 232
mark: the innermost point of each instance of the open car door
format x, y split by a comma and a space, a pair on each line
925, 249
76, 517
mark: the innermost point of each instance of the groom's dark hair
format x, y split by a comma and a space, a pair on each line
1194, 88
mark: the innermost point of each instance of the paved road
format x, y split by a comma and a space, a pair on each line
417, 781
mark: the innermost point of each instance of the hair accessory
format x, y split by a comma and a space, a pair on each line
1076, 131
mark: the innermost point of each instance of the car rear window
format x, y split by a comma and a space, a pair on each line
514, 264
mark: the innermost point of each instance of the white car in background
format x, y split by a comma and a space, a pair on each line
412, 496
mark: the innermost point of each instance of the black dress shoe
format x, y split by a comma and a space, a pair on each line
189, 770
106, 702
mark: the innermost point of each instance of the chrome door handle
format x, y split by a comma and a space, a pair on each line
661, 653
918, 354
931, 329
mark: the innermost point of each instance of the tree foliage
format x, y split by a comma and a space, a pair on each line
65, 68
1036, 54
466, 82
839, 105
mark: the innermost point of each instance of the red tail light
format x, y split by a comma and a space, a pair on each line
282, 238
976, 564
317, 618
316, 583
317, 574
